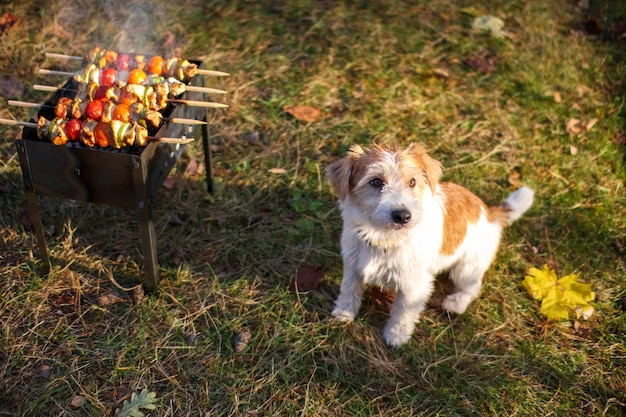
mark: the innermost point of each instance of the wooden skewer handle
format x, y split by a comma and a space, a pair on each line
213, 73
26, 104
181, 121
12, 122
43, 71
181, 141
204, 89
63, 56
195, 103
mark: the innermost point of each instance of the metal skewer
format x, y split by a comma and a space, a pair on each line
181, 140
191, 88
177, 120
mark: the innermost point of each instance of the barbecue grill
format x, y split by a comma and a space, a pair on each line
129, 177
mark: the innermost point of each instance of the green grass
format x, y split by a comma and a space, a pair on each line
387, 72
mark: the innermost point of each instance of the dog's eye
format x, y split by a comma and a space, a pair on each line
412, 183
376, 182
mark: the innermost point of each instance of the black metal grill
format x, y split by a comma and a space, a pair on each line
129, 177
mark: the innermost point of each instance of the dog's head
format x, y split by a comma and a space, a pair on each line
385, 185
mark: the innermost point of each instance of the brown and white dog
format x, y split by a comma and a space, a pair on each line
401, 227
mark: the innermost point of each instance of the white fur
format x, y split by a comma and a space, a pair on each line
405, 257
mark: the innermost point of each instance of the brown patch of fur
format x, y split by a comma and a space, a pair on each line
461, 208
431, 167
341, 173
499, 213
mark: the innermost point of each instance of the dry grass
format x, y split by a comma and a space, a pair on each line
391, 72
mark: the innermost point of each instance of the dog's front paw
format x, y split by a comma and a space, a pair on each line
457, 302
343, 315
396, 335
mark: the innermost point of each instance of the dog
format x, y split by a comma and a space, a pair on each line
401, 228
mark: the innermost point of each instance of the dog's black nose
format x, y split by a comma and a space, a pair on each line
401, 216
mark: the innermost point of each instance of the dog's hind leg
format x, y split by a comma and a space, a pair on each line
467, 278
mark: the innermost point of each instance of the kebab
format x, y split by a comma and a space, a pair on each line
177, 67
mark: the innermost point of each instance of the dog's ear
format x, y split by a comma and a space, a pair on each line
432, 167
340, 173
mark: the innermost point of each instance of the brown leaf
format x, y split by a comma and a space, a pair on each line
592, 26
65, 302
308, 278
77, 401
108, 298
382, 297
242, 338
515, 177
7, 21
573, 127
304, 113
481, 63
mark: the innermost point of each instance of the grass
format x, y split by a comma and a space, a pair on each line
389, 72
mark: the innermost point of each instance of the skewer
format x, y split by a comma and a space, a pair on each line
12, 122
213, 73
191, 88
181, 140
63, 56
195, 103
43, 71
177, 120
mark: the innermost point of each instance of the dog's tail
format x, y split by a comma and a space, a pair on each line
514, 206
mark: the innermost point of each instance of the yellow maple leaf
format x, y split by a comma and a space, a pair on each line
560, 297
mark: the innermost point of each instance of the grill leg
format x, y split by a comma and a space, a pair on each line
146, 226
148, 240
33, 207
208, 158
41, 239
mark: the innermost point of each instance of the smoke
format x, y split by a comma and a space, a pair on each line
137, 22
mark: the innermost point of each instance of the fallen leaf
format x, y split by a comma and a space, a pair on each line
176, 219
515, 177
491, 24
304, 113
7, 21
573, 127
242, 337
382, 297
592, 26
252, 137
110, 297
482, 64
441, 73
77, 401
559, 297
44, 371
307, 278
590, 124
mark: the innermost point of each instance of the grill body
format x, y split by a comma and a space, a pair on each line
129, 178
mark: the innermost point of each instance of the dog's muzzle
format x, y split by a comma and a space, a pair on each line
401, 216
